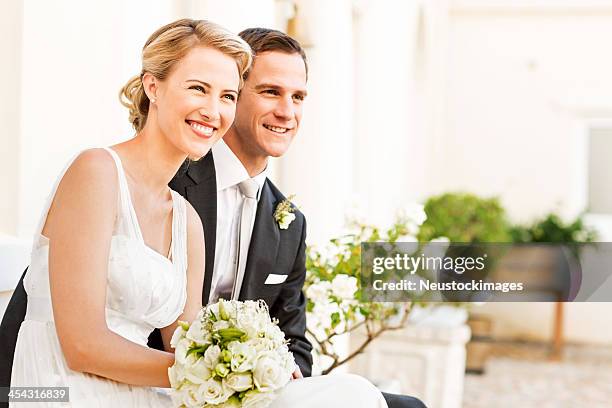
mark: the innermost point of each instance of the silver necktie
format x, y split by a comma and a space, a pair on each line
230, 284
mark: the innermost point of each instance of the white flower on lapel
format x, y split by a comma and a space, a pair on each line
284, 213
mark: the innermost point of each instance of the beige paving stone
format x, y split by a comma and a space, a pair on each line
521, 375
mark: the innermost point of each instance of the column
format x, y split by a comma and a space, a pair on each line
318, 167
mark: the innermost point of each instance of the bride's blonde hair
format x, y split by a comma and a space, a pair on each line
166, 46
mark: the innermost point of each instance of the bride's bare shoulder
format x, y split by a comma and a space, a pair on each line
89, 187
94, 163
92, 168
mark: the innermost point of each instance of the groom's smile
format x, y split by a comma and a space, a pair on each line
269, 108
277, 129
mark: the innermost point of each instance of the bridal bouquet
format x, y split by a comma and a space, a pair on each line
232, 355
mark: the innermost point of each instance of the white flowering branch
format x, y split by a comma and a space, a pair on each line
332, 287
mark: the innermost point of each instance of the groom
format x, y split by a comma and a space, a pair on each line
268, 116
248, 254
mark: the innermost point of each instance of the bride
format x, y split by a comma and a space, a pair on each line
118, 254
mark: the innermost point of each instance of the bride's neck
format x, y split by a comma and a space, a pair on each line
152, 160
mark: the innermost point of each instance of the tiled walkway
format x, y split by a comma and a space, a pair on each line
521, 376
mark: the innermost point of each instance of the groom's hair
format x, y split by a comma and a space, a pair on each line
266, 39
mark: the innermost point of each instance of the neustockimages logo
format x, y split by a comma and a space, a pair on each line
412, 264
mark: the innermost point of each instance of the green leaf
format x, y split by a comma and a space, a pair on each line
197, 350
230, 334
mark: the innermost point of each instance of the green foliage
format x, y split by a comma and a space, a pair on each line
552, 229
463, 217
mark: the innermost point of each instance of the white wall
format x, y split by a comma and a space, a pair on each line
76, 56
11, 19
233, 14
523, 78
516, 82
317, 167
390, 151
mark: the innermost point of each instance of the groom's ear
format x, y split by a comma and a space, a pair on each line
150, 85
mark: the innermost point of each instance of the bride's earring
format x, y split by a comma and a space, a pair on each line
153, 100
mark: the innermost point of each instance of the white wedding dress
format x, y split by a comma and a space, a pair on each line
145, 291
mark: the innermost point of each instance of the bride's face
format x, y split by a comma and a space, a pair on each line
196, 103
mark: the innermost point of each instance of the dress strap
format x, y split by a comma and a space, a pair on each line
179, 231
125, 201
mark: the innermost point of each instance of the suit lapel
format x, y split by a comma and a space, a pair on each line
264, 243
199, 186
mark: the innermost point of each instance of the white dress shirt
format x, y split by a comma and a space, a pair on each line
230, 172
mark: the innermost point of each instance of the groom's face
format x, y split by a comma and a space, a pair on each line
269, 109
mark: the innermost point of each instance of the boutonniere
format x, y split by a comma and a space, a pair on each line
284, 213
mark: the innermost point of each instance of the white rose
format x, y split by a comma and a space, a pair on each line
176, 375
243, 356
288, 362
227, 309
239, 381
211, 356
213, 392
232, 402
221, 324
211, 310
189, 395
196, 333
222, 370
256, 399
180, 351
285, 220
260, 344
178, 334
344, 286
319, 291
269, 373
274, 333
198, 372
250, 320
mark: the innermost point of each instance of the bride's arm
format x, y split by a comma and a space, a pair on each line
195, 273
80, 226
